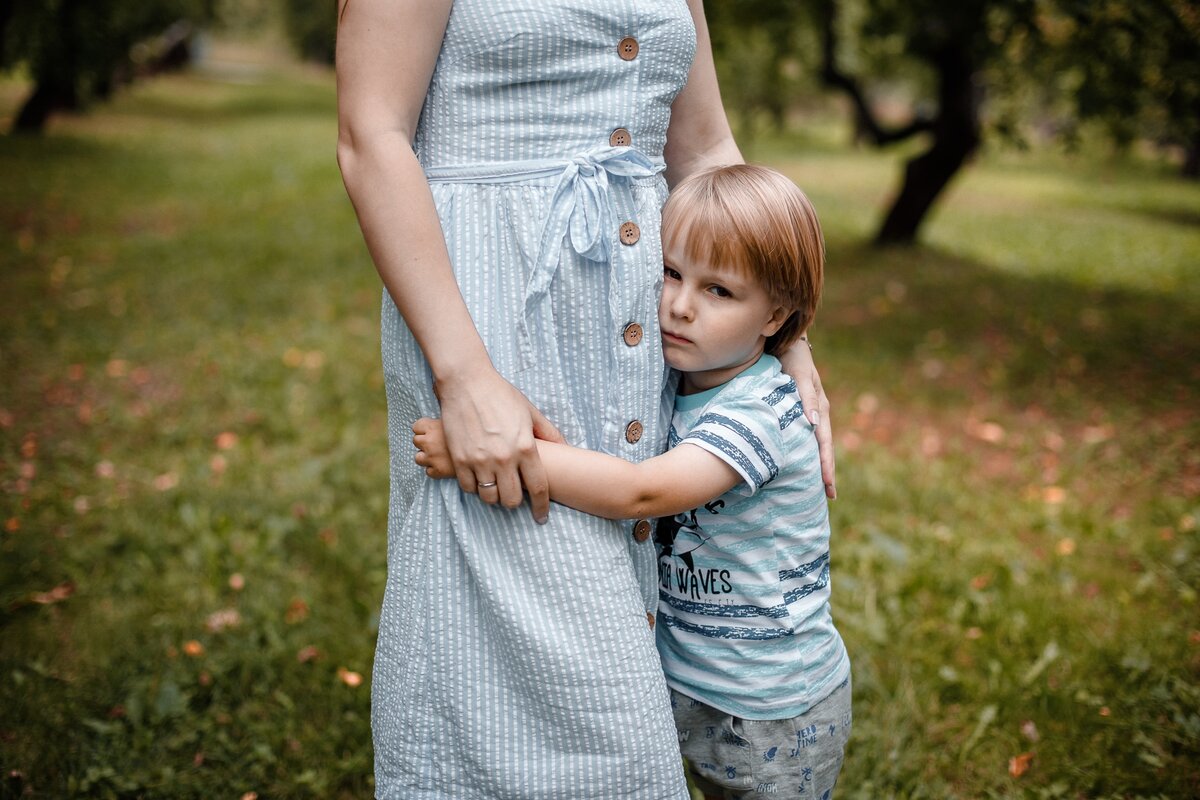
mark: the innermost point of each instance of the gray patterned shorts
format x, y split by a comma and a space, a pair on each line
736, 758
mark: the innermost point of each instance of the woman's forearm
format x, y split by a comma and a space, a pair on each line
403, 233
386, 53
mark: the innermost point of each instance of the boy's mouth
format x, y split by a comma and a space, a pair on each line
675, 339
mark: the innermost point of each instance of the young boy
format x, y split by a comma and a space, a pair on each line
759, 677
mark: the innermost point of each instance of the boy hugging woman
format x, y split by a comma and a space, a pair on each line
759, 677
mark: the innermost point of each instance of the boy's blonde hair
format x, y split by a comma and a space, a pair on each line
755, 220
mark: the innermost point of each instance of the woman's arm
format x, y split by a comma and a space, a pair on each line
798, 362
679, 480
699, 135
386, 51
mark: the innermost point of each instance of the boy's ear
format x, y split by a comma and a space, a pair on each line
779, 316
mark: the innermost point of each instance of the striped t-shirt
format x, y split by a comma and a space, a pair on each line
744, 622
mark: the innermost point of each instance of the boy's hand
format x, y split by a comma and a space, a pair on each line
433, 454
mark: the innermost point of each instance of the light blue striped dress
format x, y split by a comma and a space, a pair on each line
514, 660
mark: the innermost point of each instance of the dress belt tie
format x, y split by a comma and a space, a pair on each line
580, 211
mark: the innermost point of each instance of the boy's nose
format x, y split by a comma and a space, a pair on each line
681, 305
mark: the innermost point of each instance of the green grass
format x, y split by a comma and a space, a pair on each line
192, 424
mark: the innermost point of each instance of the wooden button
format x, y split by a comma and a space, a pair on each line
633, 432
630, 233
632, 334
627, 48
650, 620
641, 530
620, 138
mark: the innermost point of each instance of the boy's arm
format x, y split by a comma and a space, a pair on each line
679, 480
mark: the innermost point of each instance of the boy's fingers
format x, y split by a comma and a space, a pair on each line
544, 429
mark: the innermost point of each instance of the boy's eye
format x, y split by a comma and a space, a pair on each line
720, 291
670, 273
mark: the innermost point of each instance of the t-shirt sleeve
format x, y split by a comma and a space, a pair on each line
744, 433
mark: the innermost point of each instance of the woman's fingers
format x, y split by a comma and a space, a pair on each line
825, 442
819, 416
533, 477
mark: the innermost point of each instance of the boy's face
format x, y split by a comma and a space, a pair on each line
715, 321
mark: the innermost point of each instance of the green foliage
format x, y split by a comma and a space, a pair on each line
1134, 65
76, 50
312, 28
765, 55
192, 450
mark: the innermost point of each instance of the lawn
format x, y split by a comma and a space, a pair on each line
193, 466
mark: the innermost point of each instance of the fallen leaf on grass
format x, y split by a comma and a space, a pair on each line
237, 582
166, 481
226, 440
1030, 731
306, 654
55, 595
348, 677
1094, 434
1053, 441
989, 432
250, 796
105, 469
1054, 495
193, 648
220, 620
12, 525
297, 611
1017, 765
867, 403
1065, 547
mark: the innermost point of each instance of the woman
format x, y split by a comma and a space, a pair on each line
506, 162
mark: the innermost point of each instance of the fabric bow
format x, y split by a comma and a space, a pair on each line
580, 211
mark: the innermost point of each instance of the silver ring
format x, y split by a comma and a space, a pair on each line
487, 485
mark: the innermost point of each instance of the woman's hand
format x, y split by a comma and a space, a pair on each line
798, 362
490, 429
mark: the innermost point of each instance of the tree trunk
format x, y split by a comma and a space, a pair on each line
1191, 161
955, 137
45, 100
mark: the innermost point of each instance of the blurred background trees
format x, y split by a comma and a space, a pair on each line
953, 74
947, 75
79, 51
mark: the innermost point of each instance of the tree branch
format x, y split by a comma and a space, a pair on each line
864, 117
